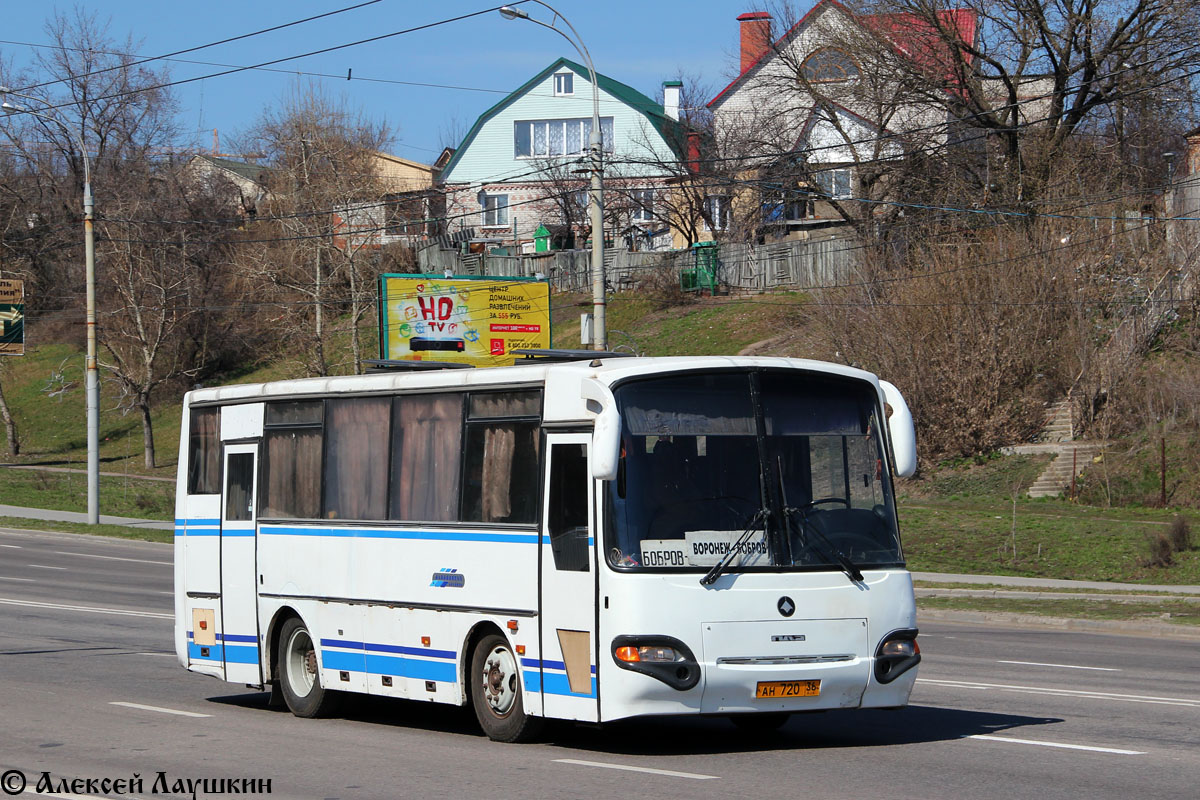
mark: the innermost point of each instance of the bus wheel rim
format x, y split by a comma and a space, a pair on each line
301, 663
500, 681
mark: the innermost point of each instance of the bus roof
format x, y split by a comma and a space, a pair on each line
558, 375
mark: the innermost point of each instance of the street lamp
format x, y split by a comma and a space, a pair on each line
92, 381
595, 148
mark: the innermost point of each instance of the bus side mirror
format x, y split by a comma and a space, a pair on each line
606, 437
900, 431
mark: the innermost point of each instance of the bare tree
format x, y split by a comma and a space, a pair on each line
326, 216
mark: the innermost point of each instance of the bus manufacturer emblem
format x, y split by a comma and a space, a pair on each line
791, 637
448, 578
786, 606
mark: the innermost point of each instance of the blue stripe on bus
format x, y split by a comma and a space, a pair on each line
546, 540
197, 531
558, 665
553, 683
233, 654
449, 655
190, 522
372, 533
389, 665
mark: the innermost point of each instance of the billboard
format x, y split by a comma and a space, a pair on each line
471, 320
12, 318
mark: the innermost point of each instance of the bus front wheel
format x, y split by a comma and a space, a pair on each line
299, 672
496, 692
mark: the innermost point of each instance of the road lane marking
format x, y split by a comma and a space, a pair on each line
160, 710
22, 580
13, 546
42, 566
91, 609
115, 558
628, 768
1060, 666
1131, 698
1090, 748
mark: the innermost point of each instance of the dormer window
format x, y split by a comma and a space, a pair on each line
829, 65
564, 84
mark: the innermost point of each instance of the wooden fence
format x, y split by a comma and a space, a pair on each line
740, 267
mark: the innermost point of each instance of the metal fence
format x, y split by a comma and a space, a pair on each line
740, 267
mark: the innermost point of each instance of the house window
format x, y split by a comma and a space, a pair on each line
540, 138
564, 83
643, 204
835, 183
495, 209
829, 65
716, 212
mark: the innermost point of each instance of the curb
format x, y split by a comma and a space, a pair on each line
1016, 594
1158, 630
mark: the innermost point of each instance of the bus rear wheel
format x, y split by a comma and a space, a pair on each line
299, 673
496, 692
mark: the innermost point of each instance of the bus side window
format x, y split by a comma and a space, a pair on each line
204, 458
568, 516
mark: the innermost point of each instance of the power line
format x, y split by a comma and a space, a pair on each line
168, 56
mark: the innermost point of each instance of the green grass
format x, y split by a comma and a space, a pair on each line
708, 326
67, 491
992, 476
988, 587
1164, 611
114, 531
1053, 539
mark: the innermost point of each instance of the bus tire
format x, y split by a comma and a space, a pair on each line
299, 673
496, 692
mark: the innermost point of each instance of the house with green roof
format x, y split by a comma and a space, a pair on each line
524, 162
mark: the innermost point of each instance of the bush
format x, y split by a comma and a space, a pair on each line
1180, 535
1160, 550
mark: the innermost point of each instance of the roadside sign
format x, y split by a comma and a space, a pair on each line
12, 318
472, 320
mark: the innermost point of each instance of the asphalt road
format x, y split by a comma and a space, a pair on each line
89, 688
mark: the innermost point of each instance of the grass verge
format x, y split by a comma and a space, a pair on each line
67, 491
114, 531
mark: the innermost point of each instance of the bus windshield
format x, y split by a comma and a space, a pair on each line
786, 468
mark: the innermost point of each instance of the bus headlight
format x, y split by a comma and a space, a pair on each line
662, 657
896, 654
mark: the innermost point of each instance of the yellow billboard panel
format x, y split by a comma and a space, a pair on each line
478, 321
12, 318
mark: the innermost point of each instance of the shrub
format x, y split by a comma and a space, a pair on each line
1180, 535
1160, 550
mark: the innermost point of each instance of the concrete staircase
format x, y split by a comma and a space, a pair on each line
1069, 456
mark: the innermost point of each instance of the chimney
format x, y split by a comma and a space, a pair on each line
671, 90
693, 152
756, 36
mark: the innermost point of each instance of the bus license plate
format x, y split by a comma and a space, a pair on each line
788, 689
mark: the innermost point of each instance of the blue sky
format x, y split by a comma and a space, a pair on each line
641, 43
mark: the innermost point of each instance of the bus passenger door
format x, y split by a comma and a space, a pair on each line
238, 637
568, 587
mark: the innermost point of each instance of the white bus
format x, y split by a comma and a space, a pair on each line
588, 539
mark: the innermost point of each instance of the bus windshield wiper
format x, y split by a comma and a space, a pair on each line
849, 567
736, 548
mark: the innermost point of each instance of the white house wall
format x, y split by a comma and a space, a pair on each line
489, 164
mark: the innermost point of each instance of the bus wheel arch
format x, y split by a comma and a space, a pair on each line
491, 659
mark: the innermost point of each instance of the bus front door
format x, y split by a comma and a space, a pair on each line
567, 669
238, 638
